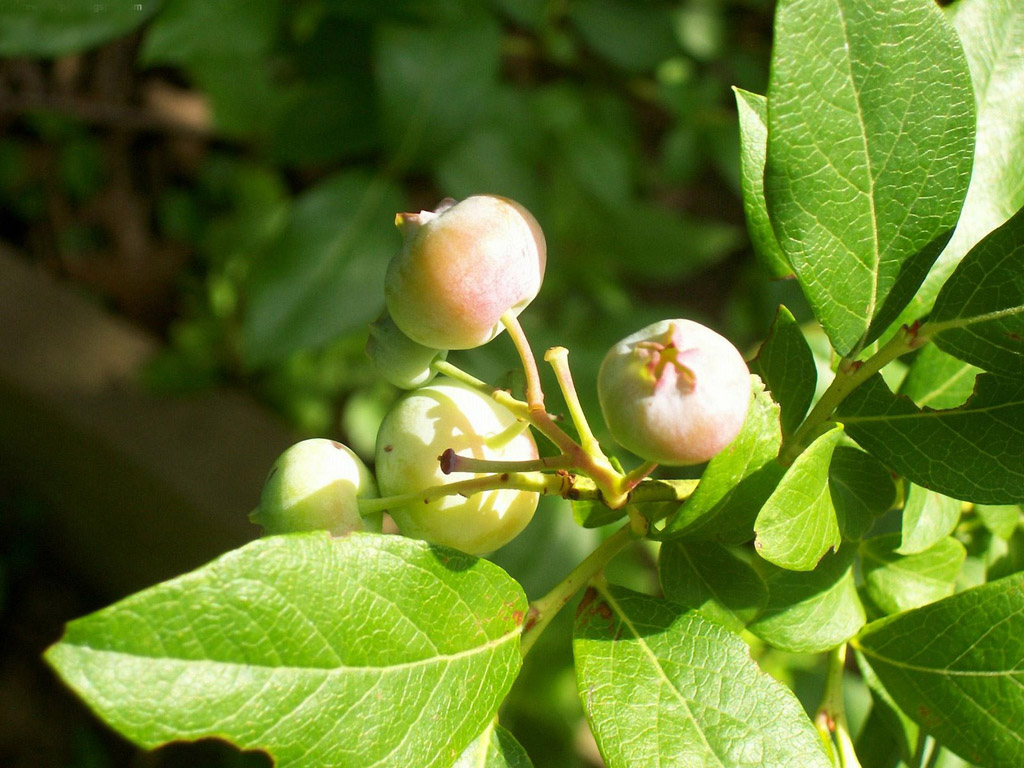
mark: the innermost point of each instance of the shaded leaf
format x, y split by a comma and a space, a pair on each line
324, 275
737, 481
658, 682
494, 748
753, 116
903, 730
1002, 520
431, 91
898, 582
634, 36
709, 578
798, 523
974, 452
317, 650
928, 517
811, 611
864, 185
957, 668
861, 489
786, 364
938, 380
980, 309
49, 28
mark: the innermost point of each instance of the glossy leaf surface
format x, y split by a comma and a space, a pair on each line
656, 680
365, 650
870, 144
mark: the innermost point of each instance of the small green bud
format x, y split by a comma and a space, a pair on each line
314, 485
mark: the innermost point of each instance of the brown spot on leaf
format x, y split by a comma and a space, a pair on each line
388, 448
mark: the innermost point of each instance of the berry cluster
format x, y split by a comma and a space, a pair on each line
456, 460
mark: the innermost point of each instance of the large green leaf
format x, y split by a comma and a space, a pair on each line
320, 651
432, 91
980, 309
861, 489
662, 684
49, 28
928, 517
737, 481
870, 143
974, 452
494, 748
938, 380
898, 582
900, 727
992, 34
708, 577
196, 32
798, 524
811, 611
324, 276
957, 667
753, 115
786, 364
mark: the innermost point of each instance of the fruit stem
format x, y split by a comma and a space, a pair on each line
543, 610
453, 462
562, 483
534, 391
850, 375
558, 357
830, 720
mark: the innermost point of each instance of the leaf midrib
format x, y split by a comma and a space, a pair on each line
339, 668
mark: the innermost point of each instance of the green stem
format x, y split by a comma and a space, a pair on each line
542, 611
518, 408
565, 484
831, 718
558, 357
453, 462
851, 374
534, 392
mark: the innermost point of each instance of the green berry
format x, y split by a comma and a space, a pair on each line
418, 429
461, 268
675, 392
314, 485
398, 358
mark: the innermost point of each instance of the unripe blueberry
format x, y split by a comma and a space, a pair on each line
461, 268
313, 486
398, 358
417, 430
675, 393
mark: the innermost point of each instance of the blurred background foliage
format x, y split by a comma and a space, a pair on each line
226, 174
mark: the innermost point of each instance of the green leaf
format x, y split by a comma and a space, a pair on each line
928, 517
938, 380
903, 730
798, 524
753, 115
324, 275
51, 28
195, 32
979, 314
974, 452
861, 489
811, 611
992, 34
737, 481
897, 583
957, 667
431, 91
1002, 520
320, 651
786, 364
709, 578
658, 682
634, 36
494, 748
870, 142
